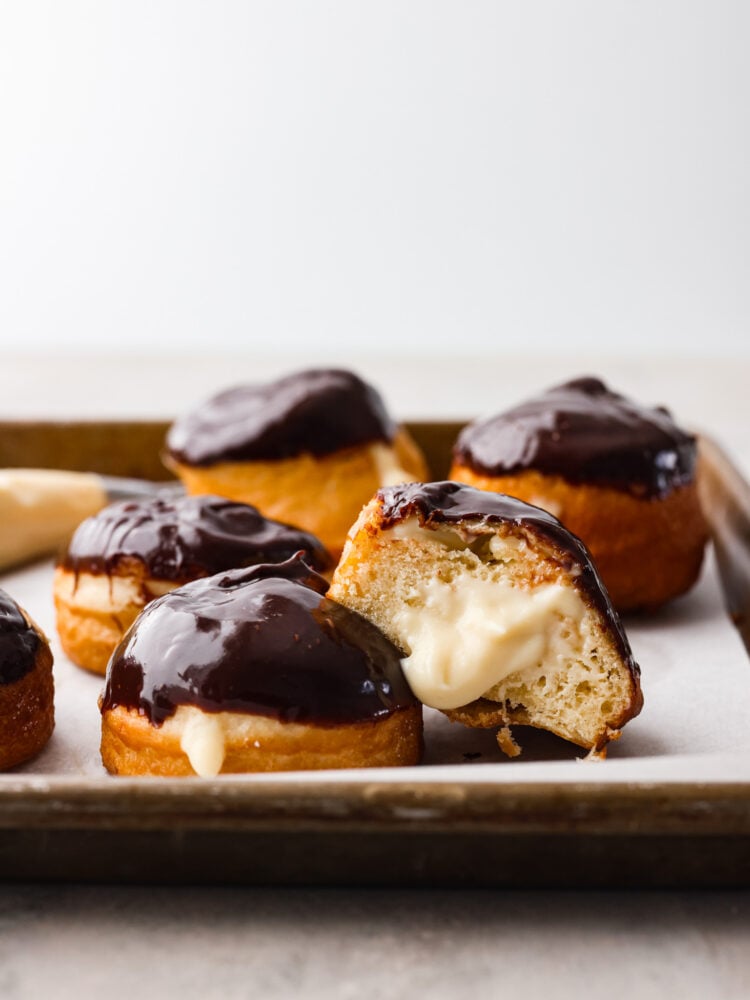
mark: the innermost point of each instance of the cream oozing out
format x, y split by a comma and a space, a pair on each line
390, 472
106, 592
466, 636
547, 503
202, 740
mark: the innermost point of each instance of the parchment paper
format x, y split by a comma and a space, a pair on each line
695, 724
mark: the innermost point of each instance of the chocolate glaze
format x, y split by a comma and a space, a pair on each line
584, 433
19, 642
263, 641
185, 537
454, 504
318, 411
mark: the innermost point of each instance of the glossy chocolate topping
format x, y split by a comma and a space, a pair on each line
455, 504
263, 641
318, 412
181, 538
19, 642
586, 434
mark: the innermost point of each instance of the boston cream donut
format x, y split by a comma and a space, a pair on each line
618, 475
309, 449
134, 551
498, 609
27, 714
255, 670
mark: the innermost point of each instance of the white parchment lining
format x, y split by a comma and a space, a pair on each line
695, 724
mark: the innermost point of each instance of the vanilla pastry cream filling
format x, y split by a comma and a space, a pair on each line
202, 740
107, 593
205, 736
390, 472
549, 504
465, 637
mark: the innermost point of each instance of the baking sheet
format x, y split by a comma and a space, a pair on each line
694, 725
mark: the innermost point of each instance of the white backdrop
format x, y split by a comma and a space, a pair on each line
411, 175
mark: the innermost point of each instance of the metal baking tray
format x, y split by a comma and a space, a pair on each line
376, 832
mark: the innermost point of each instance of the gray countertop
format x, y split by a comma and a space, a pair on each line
74, 941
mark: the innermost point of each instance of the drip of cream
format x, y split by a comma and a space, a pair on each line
202, 741
107, 593
390, 473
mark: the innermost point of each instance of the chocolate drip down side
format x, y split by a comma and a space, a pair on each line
458, 505
19, 642
584, 433
317, 412
179, 539
264, 641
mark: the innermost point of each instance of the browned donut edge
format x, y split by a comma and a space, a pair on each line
485, 714
131, 745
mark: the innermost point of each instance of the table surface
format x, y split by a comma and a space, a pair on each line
77, 941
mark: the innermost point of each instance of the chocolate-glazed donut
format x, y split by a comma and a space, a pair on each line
26, 687
497, 608
131, 552
585, 433
307, 449
255, 670
619, 475
319, 411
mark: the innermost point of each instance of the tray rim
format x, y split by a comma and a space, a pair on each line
624, 811
706, 807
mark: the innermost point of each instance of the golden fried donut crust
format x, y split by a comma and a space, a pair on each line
131, 745
27, 714
322, 494
647, 550
484, 714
